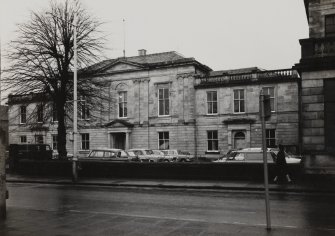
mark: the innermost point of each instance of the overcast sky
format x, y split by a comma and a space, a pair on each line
223, 34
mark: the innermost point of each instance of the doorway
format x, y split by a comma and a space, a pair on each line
118, 140
239, 140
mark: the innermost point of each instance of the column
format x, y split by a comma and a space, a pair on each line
127, 140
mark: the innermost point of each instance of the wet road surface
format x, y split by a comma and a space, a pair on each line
59, 210
287, 209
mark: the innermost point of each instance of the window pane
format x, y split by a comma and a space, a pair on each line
242, 106
209, 135
167, 111
120, 110
215, 96
161, 107
215, 135
236, 106
209, 97
215, 145
160, 94
209, 108
272, 104
215, 108
241, 94
209, 145
166, 93
236, 94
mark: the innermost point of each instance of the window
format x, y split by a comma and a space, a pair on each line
270, 138
330, 25
163, 140
23, 114
23, 139
163, 101
39, 139
54, 113
212, 140
212, 102
39, 113
85, 141
122, 104
239, 101
270, 91
54, 142
84, 110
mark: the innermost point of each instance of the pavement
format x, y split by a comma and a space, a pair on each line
26, 221
307, 185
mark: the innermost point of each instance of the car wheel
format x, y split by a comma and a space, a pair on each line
166, 160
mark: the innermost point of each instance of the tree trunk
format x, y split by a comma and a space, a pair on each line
61, 137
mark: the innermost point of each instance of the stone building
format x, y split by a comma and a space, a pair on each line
227, 109
317, 71
4, 125
167, 101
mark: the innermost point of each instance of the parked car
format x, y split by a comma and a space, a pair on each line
117, 155
133, 156
177, 155
145, 155
255, 155
30, 151
201, 159
55, 155
160, 155
19, 152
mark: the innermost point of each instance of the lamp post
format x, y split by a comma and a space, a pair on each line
75, 102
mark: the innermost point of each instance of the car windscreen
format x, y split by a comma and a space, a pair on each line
231, 155
131, 153
149, 152
96, 154
110, 154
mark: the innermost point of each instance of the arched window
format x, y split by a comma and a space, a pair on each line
239, 135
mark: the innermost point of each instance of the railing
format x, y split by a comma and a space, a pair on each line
317, 47
245, 77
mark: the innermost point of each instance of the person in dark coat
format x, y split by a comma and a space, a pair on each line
281, 166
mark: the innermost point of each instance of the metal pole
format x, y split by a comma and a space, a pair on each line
266, 182
0, 72
75, 107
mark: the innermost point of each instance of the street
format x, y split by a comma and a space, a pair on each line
288, 210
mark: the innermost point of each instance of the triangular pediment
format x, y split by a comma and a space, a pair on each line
119, 66
118, 123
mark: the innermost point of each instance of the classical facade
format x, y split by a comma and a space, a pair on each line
227, 109
167, 101
317, 71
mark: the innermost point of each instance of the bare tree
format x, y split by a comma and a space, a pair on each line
41, 60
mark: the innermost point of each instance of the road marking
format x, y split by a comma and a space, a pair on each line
199, 220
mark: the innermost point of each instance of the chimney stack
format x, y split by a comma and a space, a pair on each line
142, 52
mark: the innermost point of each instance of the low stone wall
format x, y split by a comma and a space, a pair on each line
204, 171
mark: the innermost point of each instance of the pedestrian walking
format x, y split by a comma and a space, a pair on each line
281, 166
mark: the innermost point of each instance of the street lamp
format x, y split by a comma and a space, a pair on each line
75, 102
